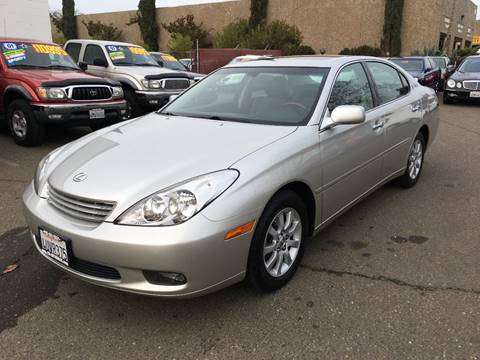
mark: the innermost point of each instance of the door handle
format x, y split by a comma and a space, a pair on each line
378, 124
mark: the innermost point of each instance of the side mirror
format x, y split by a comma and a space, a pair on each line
100, 62
348, 115
83, 66
160, 63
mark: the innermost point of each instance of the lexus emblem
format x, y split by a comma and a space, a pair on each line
80, 177
93, 92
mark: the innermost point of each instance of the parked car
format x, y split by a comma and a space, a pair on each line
170, 62
422, 68
188, 63
147, 86
446, 67
40, 85
227, 182
245, 58
464, 83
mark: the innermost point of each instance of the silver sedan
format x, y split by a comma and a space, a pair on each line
230, 180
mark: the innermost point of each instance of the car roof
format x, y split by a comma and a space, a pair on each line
102, 42
409, 57
304, 61
12, 39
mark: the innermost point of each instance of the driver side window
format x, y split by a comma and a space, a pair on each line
351, 88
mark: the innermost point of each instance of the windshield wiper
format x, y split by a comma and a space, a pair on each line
124, 63
146, 64
168, 113
27, 66
60, 67
221, 118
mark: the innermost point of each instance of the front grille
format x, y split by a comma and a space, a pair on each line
471, 85
97, 270
91, 93
80, 208
176, 84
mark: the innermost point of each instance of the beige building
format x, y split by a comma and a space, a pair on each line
328, 24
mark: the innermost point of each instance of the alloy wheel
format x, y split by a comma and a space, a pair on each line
415, 159
19, 124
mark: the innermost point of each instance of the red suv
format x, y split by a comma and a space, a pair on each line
40, 84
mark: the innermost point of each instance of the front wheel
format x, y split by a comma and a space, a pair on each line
134, 108
414, 163
278, 242
23, 125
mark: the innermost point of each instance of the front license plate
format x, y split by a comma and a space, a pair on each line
54, 246
97, 114
475, 94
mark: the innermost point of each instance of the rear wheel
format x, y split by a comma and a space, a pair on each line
278, 243
23, 125
414, 163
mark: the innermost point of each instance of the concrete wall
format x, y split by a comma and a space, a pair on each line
328, 24
25, 19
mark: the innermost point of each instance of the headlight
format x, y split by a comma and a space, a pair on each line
180, 202
41, 172
117, 92
152, 84
51, 93
451, 83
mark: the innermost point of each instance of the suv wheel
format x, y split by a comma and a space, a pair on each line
278, 242
133, 107
23, 125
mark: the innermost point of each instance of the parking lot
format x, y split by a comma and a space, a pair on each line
396, 277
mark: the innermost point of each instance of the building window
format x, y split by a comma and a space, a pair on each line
441, 41
460, 28
447, 22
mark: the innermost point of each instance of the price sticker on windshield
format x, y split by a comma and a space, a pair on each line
49, 49
138, 50
168, 58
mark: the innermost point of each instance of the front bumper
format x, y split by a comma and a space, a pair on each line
78, 114
155, 100
195, 249
460, 94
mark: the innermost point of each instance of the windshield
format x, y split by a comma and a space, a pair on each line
130, 56
169, 62
31, 55
260, 95
470, 65
410, 64
440, 62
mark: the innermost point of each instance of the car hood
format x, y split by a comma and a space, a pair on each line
130, 161
142, 71
459, 76
40, 76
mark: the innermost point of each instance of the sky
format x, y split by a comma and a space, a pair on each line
91, 6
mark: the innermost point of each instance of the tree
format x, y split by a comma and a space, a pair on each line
69, 24
392, 28
99, 31
233, 35
180, 44
258, 12
146, 18
186, 26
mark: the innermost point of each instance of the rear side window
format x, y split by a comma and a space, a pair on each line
388, 82
351, 88
73, 49
93, 52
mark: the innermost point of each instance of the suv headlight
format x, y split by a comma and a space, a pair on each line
180, 202
51, 93
451, 83
41, 172
152, 84
117, 92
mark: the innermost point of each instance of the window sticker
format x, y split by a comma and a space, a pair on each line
138, 50
168, 58
15, 55
49, 49
117, 55
112, 48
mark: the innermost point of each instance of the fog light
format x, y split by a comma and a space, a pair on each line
164, 278
55, 116
123, 112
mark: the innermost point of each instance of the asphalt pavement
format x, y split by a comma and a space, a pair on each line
396, 277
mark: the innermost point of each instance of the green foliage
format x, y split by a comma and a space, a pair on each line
276, 35
258, 12
180, 44
186, 26
364, 50
68, 24
233, 35
146, 18
465, 52
57, 20
99, 31
392, 28
427, 51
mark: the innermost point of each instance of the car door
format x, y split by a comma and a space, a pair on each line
351, 154
92, 53
73, 49
402, 112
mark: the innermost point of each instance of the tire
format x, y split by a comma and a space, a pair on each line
99, 126
23, 125
415, 160
258, 275
134, 108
